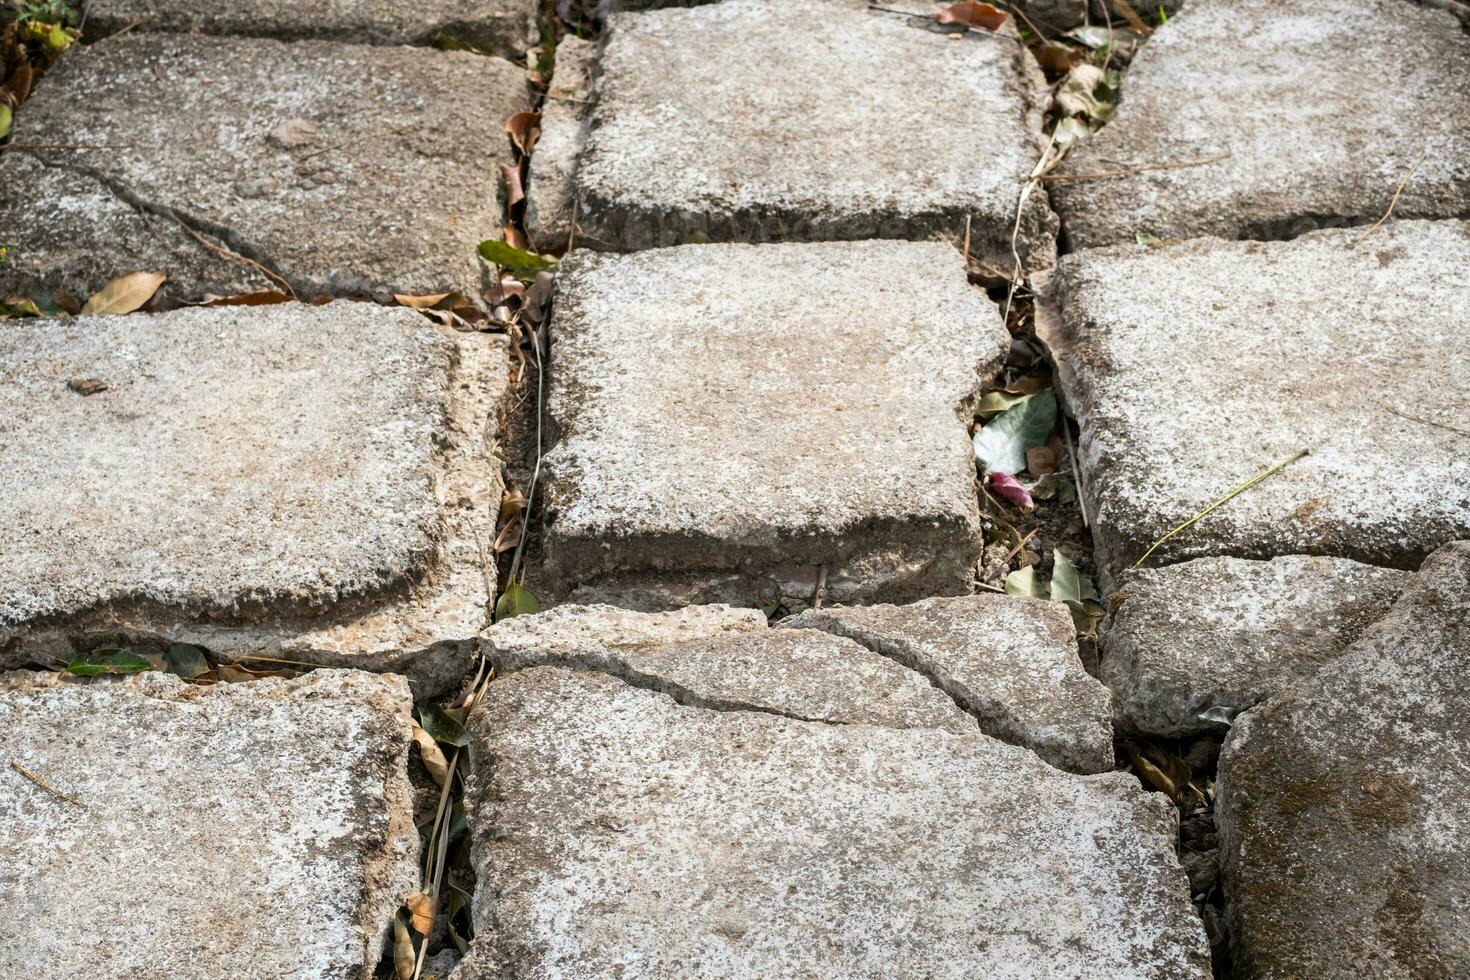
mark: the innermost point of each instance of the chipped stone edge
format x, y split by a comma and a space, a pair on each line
429, 635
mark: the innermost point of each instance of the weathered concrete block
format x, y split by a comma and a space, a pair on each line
344, 169
240, 830
505, 27
733, 417
1281, 87
550, 187
1193, 366
632, 834
1011, 662
810, 120
294, 481
728, 659
1344, 823
1229, 633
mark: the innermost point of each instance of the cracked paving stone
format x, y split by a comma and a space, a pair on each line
1011, 662
1344, 822
620, 833
807, 406
504, 27
1192, 366
811, 120
306, 482
348, 170
233, 831
1230, 633
727, 659
1282, 86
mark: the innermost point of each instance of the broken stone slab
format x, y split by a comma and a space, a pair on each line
1295, 139
344, 170
550, 186
724, 122
303, 482
1225, 633
727, 659
1010, 661
807, 405
1193, 366
633, 834
1345, 827
262, 829
504, 27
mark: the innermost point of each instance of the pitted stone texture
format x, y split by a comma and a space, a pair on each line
810, 120
1010, 661
1230, 633
240, 830
502, 26
621, 832
252, 479
729, 660
731, 417
1192, 366
550, 187
346, 169
1344, 822
1310, 144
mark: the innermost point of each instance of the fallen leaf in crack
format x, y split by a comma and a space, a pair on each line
1010, 489
431, 754
87, 386
972, 15
524, 128
124, 294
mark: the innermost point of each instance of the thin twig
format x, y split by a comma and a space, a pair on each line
1019, 545
821, 592
930, 18
136, 23
67, 146
1415, 418
278, 660
1133, 171
231, 254
1043, 165
45, 785
1229, 496
1076, 474
1393, 203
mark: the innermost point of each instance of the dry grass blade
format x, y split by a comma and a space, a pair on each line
1134, 171
45, 785
1392, 203
1414, 418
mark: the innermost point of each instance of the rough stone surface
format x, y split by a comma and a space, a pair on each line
728, 659
636, 836
1011, 662
1230, 633
803, 408
1345, 827
345, 169
550, 187
1279, 85
255, 480
502, 26
1193, 366
810, 120
240, 830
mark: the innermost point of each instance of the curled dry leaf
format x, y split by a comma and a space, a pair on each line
1055, 57
87, 386
515, 192
524, 129
1075, 95
125, 293
263, 297
1041, 460
421, 913
403, 953
1010, 489
972, 14
431, 754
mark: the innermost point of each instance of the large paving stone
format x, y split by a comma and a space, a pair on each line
1192, 367
1011, 662
728, 659
502, 26
1229, 633
242, 830
1283, 87
809, 120
620, 833
293, 481
731, 417
1345, 826
344, 169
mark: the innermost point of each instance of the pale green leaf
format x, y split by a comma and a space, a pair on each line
441, 727
516, 261
516, 600
998, 401
1002, 443
1023, 582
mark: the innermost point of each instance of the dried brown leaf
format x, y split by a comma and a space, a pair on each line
403, 953
125, 293
431, 754
515, 238
262, 297
87, 386
1041, 460
524, 129
1056, 57
17, 87
421, 913
972, 14
515, 192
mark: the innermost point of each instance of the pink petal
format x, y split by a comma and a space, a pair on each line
1009, 489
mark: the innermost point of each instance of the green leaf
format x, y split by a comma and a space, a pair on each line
7, 117
516, 600
1001, 445
1076, 590
1144, 238
185, 660
1023, 582
998, 401
441, 727
514, 260
107, 662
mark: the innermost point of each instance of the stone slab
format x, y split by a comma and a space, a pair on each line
551, 181
256, 480
344, 169
505, 27
1229, 633
731, 417
727, 659
1193, 366
811, 120
240, 830
1011, 662
1345, 827
1278, 85
636, 836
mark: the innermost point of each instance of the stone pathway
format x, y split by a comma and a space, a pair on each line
773, 720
